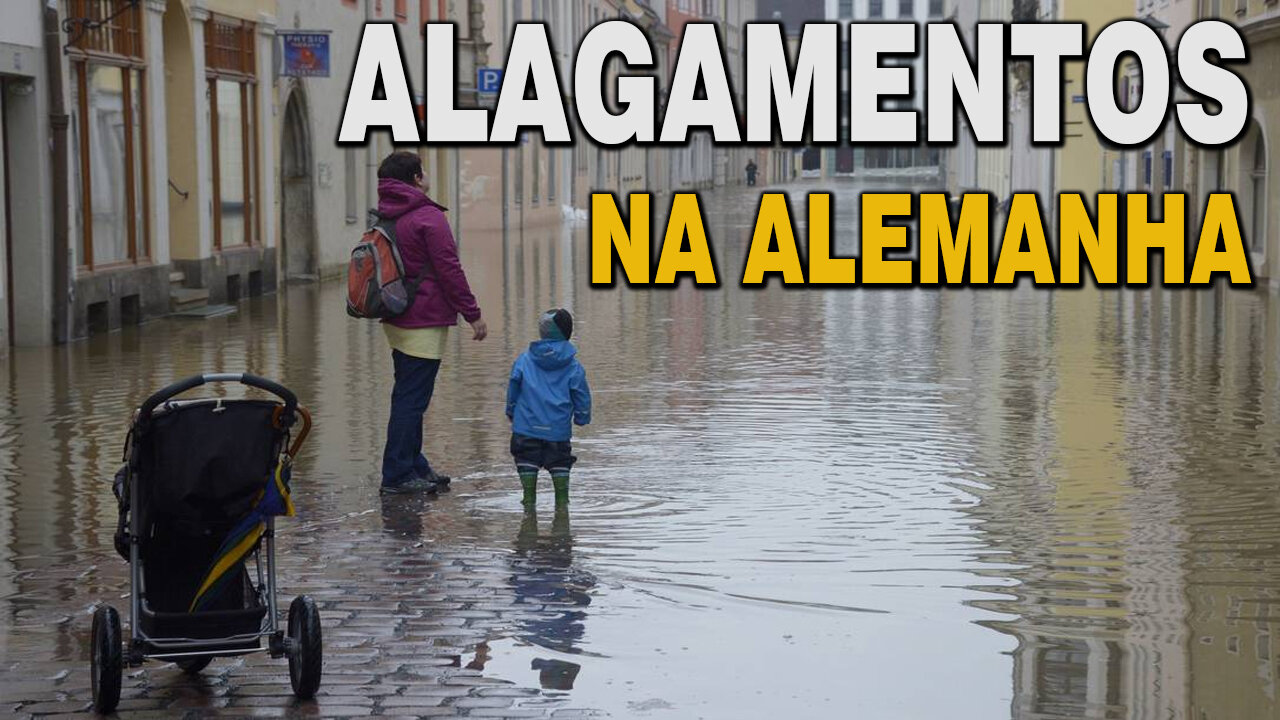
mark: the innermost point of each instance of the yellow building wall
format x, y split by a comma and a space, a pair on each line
244, 9
1082, 161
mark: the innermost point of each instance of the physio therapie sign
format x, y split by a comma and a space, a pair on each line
797, 103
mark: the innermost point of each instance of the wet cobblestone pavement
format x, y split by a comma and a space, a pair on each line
405, 626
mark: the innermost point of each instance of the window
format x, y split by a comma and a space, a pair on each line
1258, 190
108, 128
518, 190
906, 9
846, 9
935, 8
535, 191
551, 176
876, 9
230, 65
351, 180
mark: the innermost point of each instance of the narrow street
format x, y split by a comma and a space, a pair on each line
895, 503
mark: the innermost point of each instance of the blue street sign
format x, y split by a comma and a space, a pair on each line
488, 80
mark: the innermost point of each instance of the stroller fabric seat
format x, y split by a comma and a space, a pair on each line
201, 468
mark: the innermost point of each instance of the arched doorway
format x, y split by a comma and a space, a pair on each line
297, 212
1253, 190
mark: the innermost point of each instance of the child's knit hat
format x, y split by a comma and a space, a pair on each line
556, 324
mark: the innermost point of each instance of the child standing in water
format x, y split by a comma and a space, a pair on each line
546, 396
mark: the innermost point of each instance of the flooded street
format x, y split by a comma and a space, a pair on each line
845, 503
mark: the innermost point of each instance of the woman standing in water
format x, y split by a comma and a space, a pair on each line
417, 337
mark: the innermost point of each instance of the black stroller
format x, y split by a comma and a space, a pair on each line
202, 484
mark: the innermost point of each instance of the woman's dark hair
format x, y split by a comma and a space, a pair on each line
401, 165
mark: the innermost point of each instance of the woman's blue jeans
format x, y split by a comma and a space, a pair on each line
402, 460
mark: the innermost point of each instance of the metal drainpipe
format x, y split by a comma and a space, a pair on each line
63, 293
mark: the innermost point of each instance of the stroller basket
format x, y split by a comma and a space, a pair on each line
198, 498
207, 625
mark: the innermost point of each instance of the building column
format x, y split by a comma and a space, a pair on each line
267, 164
27, 127
204, 148
157, 131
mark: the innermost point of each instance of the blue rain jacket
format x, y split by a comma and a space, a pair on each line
548, 392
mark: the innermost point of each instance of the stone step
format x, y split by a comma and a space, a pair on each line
205, 311
186, 298
177, 277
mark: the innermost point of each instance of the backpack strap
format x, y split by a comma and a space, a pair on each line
388, 226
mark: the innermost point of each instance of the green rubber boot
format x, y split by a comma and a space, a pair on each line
561, 483
529, 481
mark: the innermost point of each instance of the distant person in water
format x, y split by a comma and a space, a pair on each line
417, 337
751, 172
547, 395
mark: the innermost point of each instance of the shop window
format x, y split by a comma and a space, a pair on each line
232, 84
108, 131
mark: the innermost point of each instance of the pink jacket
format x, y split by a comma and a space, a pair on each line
423, 234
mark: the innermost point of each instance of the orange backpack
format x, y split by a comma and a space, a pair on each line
376, 284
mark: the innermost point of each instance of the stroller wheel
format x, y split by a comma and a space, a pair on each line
107, 659
305, 647
194, 665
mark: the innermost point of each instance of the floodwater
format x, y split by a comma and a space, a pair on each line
858, 503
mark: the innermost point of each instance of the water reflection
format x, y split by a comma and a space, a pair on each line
402, 515
545, 575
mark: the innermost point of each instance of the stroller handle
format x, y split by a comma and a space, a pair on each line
195, 381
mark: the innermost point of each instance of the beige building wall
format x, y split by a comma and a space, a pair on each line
1247, 168
1082, 161
26, 303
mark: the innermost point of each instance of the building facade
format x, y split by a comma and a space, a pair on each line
1245, 167
164, 173
325, 190
781, 163
847, 160
26, 215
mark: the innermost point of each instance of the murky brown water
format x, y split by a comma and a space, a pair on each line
888, 504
